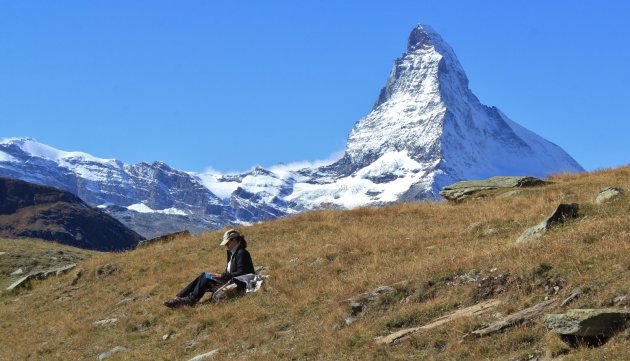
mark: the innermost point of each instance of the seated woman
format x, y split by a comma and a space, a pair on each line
239, 262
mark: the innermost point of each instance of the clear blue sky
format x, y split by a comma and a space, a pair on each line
233, 84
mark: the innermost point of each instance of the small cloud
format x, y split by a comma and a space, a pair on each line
290, 167
211, 171
294, 166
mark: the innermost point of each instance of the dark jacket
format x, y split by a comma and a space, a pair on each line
241, 264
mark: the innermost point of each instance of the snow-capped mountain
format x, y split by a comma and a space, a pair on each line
426, 130
142, 193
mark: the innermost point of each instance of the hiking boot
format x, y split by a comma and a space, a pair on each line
178, 302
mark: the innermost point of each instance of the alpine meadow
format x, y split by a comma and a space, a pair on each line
298, 181
437, 257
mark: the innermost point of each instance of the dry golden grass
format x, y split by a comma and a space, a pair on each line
34, 255
318, 259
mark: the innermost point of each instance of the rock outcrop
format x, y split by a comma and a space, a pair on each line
105, 355
514, 319
608, 194
40, 275
205, 356
562, 213
592, 327
164, 238
471, 311
473, 188
358, 305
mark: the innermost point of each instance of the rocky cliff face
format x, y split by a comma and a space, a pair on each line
36, 211
425, 130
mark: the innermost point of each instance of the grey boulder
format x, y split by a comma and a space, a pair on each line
559, 216
608, 194
471, 189
590, 327
110, 353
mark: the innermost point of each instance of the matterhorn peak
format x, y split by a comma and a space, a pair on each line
427, 113
422, 36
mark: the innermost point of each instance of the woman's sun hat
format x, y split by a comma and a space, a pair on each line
228, 235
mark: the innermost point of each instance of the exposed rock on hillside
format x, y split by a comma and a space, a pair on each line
472, 189
164, 238
559, 216
205, 356
40, 275
608, 194
514, 319
359, 304
34, 211
588, 326
105, 355
471, 311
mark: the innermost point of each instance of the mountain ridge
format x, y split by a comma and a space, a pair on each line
29, 210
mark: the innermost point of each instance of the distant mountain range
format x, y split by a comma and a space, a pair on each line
426, 130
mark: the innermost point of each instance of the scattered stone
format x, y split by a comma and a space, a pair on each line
110, 353
191, 346
205, 356
142, 327
559, 216
473, 227
359, 303
608, 194
168, 336
77, 277
471, 311
107, 270
64, 298
17, 272
489, 232
126, 301
164, 238
355, 310
575, 294
106, 322
2, 253
472, 189
40, 275
19, 283
514, 319
622, 301
490, 286
589, 327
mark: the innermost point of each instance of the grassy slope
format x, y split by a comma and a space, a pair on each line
318, 259
32, 255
